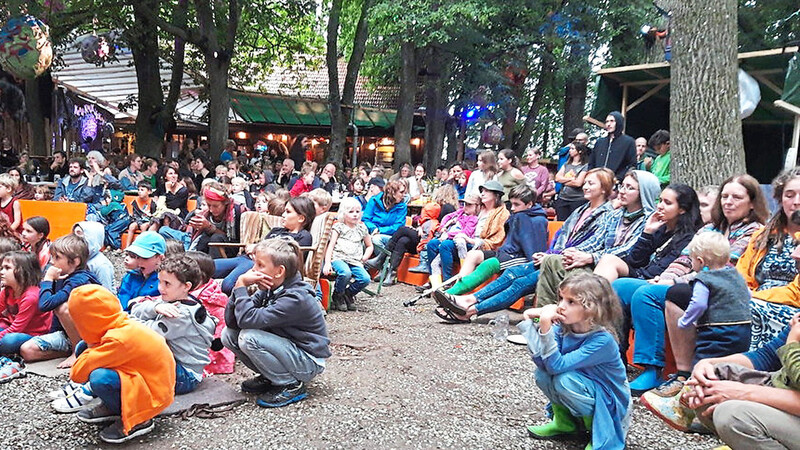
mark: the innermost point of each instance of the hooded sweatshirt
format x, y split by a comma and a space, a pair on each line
621, 155
94, 233
53, 294
527, 234
139, 355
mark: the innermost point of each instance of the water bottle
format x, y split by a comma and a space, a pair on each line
500, 327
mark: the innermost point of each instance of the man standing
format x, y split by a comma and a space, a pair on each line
617, 151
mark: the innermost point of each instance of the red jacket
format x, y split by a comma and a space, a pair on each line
22, 315
299, 188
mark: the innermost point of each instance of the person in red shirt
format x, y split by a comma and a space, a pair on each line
20, 317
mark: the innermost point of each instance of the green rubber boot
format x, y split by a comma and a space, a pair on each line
562, 424
587, 422
481, 273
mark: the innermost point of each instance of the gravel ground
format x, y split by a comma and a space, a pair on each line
398, 378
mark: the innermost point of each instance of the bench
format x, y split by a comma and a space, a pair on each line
61, 215
128, 200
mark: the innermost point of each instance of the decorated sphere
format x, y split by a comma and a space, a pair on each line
25, 47
98, 49
492, 135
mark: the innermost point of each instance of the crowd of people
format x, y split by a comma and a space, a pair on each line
712, 272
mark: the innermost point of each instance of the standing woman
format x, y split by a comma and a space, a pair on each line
486, 170
175, 191
536, 175
508, 173
571, 176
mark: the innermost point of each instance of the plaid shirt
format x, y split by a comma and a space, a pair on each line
602, 242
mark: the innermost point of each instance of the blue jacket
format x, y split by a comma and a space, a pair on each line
387, 222
53, 294
83, 193
527, 234
766, 358
134, 284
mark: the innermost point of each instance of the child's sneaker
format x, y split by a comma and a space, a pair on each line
115, 433
10, 369
670, 409
98, 414
289, 394
65, 390
76, 401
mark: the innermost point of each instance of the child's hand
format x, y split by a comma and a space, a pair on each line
549, 314
252, 277
538, 257
326, 269
52, 273
168, 310
794, 333
532, 313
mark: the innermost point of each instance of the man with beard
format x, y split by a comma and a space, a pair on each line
75, 187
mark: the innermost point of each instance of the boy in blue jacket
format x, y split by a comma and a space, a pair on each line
66, 272
279, 332
143, 258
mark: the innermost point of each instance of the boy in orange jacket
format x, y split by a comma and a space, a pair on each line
129, 367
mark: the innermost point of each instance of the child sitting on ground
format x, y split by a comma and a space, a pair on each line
127, 366
98, 264
68, 256
279, 332
142, 258
577, 362
350, 246
34, 239
143, 208
9, 206
20, 318
181, 319
210, 294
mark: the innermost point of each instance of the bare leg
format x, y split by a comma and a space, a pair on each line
682, 340
611, 267
62, 312
473, 259
31, 352
153, 226
466, 301
129, 238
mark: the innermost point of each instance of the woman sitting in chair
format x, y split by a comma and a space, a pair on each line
297, 219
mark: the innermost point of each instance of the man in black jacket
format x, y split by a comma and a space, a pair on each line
617, 151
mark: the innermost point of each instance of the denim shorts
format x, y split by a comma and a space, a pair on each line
53, 342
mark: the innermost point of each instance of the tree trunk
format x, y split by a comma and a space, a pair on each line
575, 90
451, 130
341, 106
35, 115
404, 120
548, 66
219, 101
435, 107
704, 106
143, 39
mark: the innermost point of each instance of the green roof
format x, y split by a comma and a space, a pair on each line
294, 111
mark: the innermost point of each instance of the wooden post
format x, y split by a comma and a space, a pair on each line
624, 101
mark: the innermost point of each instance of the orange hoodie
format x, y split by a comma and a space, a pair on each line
141, 357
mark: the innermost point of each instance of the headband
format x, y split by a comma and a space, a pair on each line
215, 195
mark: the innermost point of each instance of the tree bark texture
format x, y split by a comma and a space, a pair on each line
706, 133
341, 105
438, 68
35, 115
143, 38
548, 66
575, 91
404, 120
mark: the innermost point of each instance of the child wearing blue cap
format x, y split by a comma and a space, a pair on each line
142, 258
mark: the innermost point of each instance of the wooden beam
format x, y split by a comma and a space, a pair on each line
647, 95
774, 51
787, 106
633, 68
624, 100
645, 82
593, 121
766, 82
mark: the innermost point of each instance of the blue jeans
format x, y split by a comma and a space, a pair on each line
449, 256
276, 358
185, 381
10, 343
643, 306
381, 239
570, 390
345, 271
515, 282
229, 269
106, 385
432, 249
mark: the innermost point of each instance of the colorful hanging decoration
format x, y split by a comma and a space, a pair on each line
99, 49
25, 47
492, 135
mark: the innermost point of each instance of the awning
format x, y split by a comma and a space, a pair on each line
301, 112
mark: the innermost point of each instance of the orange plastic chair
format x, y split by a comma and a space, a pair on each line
61, 215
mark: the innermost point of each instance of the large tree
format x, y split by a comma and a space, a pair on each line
706, 130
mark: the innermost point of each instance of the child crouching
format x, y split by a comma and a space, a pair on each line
278, 332
577, 362
181, 319
128, 366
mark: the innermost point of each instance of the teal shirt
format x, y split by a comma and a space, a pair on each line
660, 168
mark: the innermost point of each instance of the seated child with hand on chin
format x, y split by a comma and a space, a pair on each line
180, 319
279, 332
577, 362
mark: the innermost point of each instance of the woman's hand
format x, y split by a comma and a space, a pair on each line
654, 222
575, 258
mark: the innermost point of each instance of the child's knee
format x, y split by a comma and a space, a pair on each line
29, 350
62, 311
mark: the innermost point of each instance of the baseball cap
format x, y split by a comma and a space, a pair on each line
148, 244
377, 181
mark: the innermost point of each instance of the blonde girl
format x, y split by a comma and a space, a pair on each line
577, 362
350, 246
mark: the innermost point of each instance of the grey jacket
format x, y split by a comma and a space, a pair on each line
189, 336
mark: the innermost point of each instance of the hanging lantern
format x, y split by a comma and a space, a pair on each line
25, 47
492, 135
99, 50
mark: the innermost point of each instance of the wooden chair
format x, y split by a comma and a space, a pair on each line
253, 227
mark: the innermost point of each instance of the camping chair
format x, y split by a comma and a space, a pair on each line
383, 271
253, 227
320, 236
